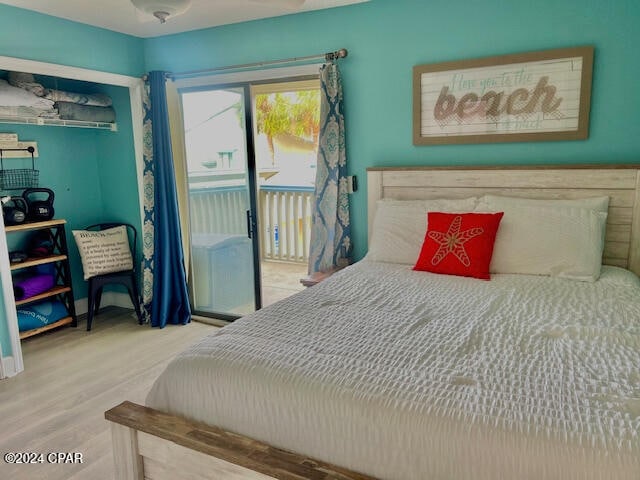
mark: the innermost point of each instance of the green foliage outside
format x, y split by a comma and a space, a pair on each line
296, 113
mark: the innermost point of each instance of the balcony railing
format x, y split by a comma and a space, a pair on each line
218, 210
284, 218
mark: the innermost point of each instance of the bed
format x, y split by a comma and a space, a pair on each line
519, 377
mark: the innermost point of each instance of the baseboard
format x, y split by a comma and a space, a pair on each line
216, 322
9, 365
109, 299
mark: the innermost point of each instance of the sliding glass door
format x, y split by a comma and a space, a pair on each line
250, 152
222, 197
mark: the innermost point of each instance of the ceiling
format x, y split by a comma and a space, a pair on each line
122, 16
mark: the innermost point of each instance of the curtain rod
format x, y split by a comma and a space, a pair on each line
328, 57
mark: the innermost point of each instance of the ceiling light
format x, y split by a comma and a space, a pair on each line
162, 9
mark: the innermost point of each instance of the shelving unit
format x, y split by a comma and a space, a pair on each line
51, 293
34, 262
57, 122
63, 289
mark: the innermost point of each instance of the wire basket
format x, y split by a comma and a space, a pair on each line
18, 178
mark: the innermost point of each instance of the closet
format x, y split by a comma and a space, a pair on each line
44, 283
44, 100
91, 163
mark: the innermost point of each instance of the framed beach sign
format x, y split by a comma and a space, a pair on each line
524, 97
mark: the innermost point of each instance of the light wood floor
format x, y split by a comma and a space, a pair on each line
281, 280
71, 377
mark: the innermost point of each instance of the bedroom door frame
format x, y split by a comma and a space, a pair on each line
245, 80
13, 364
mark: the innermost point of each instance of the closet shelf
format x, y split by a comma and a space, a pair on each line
35, 225
57, 122
36, 331
33, 262
49, 293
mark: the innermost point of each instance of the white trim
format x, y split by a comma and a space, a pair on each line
134, 84
66, 71
137, 118
249, 76
286, 86
9, 368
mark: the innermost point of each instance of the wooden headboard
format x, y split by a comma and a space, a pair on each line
620, 182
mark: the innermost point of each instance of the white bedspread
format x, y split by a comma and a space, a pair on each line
410, 375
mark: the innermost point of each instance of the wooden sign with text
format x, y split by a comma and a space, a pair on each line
511, 98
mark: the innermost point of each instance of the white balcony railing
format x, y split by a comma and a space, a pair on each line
284, 218
218, 210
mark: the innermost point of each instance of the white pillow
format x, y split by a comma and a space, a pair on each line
105, 251
601, 204
399, 227
560, 241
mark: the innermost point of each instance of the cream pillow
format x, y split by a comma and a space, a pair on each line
601, 204
104, 251
399, 227
548, 238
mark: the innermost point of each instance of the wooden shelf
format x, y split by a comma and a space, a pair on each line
64, 289
32, 262
23, 227
36, 331
49, 293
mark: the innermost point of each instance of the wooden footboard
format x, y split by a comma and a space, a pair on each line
149, 444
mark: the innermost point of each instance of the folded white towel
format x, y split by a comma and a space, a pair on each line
11, 96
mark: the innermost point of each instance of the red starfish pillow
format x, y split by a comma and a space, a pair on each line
459, 243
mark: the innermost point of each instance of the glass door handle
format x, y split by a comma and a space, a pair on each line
249, 224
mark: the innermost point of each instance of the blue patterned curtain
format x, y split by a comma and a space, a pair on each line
330, 227
164, 290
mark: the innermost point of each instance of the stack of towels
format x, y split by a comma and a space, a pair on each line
23, 96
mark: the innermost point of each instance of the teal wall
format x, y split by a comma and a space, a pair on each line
78, 198
92, 172
117, 168
117, 164
386, 39
33, 36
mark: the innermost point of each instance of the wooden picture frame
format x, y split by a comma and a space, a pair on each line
535, 96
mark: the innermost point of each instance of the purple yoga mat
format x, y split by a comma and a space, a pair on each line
29, 287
